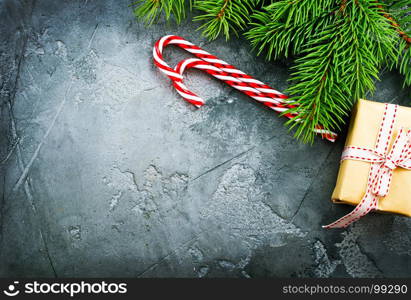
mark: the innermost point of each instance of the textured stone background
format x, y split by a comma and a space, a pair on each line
106, 171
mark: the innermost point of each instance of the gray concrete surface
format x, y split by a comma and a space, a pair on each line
108, 172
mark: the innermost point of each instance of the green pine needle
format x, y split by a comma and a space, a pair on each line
150, 11
284, 27
223, 17
339, 65
401, 11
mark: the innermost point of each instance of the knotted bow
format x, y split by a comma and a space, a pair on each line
383, 163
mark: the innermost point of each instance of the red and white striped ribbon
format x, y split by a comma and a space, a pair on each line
227, 73
383, 163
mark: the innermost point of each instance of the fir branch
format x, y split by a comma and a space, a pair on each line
223, 16
399, 13
405, 63
150, 11
339, 65
284, 27
313, 76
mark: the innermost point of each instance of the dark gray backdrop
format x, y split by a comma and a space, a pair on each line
108, 172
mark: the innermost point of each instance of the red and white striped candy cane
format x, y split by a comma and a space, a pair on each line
225, 72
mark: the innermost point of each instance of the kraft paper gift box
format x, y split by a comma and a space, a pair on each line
353, 175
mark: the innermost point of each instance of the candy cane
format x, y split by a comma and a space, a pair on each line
218, 68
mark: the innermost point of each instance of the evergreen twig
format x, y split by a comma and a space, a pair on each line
284, 27
150, 11
400, 17
223, 17
339, 65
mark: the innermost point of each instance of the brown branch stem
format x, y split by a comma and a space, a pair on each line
222, 11
397, 26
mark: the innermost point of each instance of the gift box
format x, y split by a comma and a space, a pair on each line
371, 123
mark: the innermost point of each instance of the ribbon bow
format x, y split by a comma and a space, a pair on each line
383, 163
